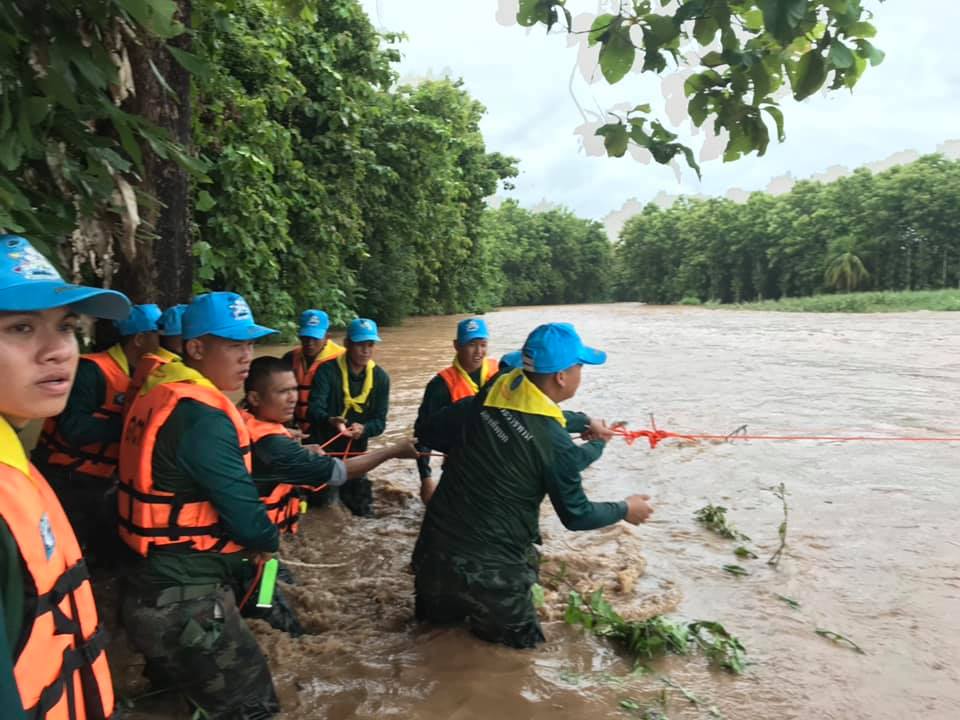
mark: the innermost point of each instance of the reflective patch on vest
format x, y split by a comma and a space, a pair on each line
47, 536
119, 398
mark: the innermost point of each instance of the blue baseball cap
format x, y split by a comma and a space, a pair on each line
314, 324
556, 346
471, 329
222, 314
170, 321
142, 319
362, 330
29, 282
511, 360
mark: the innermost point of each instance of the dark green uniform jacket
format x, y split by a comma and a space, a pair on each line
326, 401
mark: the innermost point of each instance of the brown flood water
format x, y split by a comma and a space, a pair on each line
873, 550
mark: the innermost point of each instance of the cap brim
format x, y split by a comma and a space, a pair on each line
591, 356
317, 333
365, 338
243, 332
44, 295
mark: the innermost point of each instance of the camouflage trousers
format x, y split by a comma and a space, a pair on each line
494, 602
204, 649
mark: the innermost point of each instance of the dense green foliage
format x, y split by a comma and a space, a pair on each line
860, 302
894, 230
764, 45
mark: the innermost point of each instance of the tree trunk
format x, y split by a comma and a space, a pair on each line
162, 271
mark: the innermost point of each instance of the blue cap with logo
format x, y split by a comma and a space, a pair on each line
142, 319
362, 330
28, 283
170, 321
221, 314
314, 324
471, 329
556, 346
511, 360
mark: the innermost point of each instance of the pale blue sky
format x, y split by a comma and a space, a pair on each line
536, 94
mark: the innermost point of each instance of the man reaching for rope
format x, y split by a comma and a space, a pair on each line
507, 448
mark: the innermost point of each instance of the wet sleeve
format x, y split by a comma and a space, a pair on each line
444, 429
577, 422
565, 487
77, 424
209, 454
319, 404
286, 460
435, 398
376, 423
588, 453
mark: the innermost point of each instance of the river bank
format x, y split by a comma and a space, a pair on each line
862, 302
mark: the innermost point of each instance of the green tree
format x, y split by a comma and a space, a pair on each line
845, 268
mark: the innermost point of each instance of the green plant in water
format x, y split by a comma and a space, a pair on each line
645, 639
838, 638
735, 570
781, 492
789, 601
743, 552
714, 518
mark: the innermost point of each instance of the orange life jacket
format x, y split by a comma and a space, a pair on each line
146, 365
460, 385
150, 517
331, 351
283, 501
61, 669
97, 459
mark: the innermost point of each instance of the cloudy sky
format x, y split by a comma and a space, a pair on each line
540, 89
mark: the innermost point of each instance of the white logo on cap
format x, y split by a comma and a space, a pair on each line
240, 309
313, 321
472, 325
33, 266
366, 324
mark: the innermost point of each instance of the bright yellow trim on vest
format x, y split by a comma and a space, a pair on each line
172, 372
522, 396
484, 375
11, 449
119, 357
164, 354
350, 402
330, 351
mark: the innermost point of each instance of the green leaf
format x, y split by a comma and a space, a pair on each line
662, 28
867, 50
743, 552
532, 12
735, 570
10, 152
155, 15
191, 63
781, 17
205, 202
697, 108
789, 601
704, 30
617, 54
600, 28
810, 74
778, 119
712, 59
860, 29
840, 56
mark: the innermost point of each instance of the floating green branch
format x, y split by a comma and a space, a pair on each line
714, 517
838, 638
781, 492
789, 601
743, 552
657, 635
735, 570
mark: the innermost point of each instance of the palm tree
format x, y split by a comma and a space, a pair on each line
845, 269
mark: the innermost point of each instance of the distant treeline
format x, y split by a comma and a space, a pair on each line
894, 230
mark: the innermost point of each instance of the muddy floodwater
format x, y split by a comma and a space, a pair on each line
873, 545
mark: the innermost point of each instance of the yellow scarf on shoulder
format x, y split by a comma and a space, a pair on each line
513, 391
349, 401
172, 372
11, 449
119, 357
484, 374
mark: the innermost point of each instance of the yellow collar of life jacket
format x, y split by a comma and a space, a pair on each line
484, 374
513, 391
349, 401
172, 372
167, 355
119, 357
11, 449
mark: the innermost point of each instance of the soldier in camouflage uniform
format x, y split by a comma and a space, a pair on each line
507, 448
